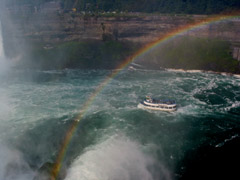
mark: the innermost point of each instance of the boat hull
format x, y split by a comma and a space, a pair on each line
156, 108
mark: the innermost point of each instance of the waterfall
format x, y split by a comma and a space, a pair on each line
3, 62
2, 55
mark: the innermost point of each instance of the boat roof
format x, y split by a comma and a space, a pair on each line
163, 101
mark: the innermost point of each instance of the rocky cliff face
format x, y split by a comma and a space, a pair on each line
236, 53
48, 29
54, 27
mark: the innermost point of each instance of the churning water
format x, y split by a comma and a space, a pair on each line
115, 140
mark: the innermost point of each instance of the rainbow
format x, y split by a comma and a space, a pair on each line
58, 163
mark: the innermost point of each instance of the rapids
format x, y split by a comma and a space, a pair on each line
115, 139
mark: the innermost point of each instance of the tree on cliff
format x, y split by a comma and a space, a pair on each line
162, 6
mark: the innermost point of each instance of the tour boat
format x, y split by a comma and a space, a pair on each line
160, 105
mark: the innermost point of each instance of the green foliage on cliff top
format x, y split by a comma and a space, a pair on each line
193, 53
162, 6
180, 53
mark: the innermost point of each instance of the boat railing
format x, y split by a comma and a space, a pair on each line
155, 101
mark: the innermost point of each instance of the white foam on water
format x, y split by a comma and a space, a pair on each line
183, 70
202, 71
117, 158
232, 106
135, 64
237, 75
189, 110
226, 140
209, 86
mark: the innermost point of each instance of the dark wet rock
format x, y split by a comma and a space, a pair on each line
44, 172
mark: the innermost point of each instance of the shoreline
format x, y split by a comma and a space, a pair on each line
202, 71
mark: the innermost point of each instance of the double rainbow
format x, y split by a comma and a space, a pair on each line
57, 165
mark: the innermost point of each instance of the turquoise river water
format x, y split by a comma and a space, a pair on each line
116, 140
